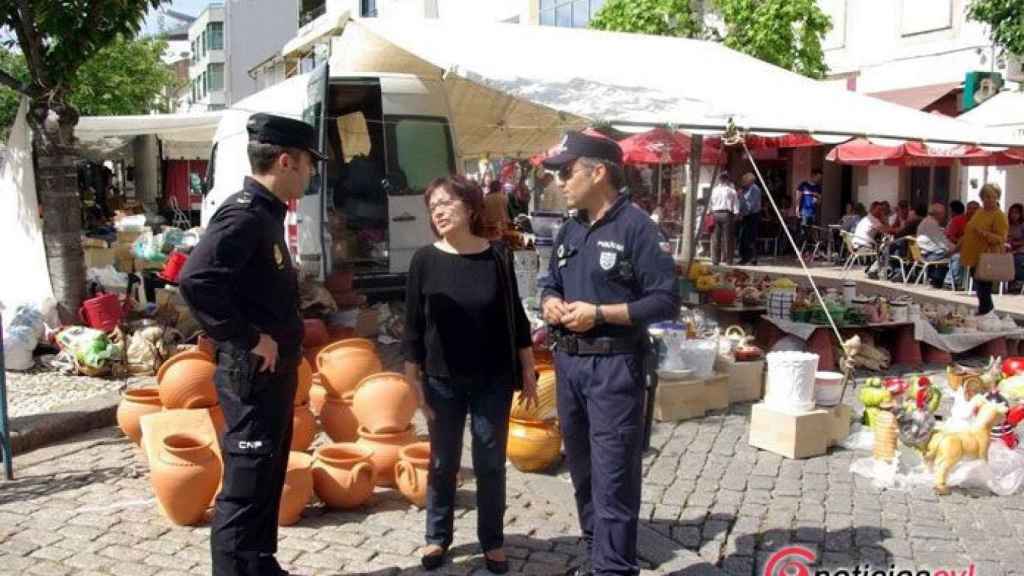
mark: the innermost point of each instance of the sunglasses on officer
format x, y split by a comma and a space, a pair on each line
567, 171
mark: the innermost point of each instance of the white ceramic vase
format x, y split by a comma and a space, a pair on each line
790, 381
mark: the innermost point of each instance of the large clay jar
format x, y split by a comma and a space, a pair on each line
342, 365
545, 407
314, 334
310, 354
343, 474
298, 488
186, 381
384, 402
337, 418
411, 472
385, 446
305, 381
533, 445
303, 428
317, 396
134, 405
217, 418
185, 476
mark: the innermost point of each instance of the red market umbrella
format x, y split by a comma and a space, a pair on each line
861, 152
661, 146
1010, 157
755, 142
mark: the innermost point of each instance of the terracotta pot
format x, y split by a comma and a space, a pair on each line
314, 334
217, 417
344, 364
303, 428
134, 405
298, 488
185, 476
343, 474
411, 472
317, 396
305, 377
337, 418
384, 402
533, 445
386, 447
205, 345
341, 332
310, 354
546, 404
186, 381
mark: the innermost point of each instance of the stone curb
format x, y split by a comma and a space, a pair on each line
63, 422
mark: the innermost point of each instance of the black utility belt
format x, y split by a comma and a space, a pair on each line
604, 346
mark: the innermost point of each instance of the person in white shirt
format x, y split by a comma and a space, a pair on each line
724, 207
868, 233
932, 240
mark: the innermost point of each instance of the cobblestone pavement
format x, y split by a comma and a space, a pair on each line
711, 504
41, 390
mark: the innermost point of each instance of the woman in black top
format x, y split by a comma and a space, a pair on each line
466, 347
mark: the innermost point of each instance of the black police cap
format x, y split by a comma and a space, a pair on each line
578, 145
282, 131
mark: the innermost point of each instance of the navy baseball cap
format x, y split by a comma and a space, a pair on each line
577, 145
282, 131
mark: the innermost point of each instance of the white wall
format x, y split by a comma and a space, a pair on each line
880, 183
253, 31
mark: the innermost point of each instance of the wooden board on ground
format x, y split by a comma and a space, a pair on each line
746, 379
798, 435
677, 400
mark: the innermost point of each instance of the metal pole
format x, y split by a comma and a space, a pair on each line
5, 428
691, 228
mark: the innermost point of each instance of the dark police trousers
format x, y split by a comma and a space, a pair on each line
258, 409
487, 400
600, 409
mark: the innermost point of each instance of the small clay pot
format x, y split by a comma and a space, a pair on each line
134, 405
186, 381
386, 447
185, 476
344, 364
303, 428
305, 381
411, 472
317, 396
343, 475
533, 445
314, 334
384, 402
337, 418
298, 488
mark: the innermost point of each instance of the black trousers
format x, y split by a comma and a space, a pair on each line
601, 411
984, 290
749, 232
258, 409
487, 401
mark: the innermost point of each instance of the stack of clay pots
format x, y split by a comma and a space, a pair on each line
534, 440
886, 434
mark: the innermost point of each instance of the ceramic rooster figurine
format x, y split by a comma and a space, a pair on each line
946, 449
917, 419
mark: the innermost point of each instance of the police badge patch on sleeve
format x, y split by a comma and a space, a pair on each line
607, 260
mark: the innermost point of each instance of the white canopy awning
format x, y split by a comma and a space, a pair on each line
525, 84
1003, 112
323, 26
186, 135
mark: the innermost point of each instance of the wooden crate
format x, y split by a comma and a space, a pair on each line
677, 400
746, 379
798, 435
96, 257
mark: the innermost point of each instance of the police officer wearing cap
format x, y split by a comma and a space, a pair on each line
242, 287
611, 276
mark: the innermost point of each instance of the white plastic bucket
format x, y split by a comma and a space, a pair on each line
828, 388
790, 382
699, 356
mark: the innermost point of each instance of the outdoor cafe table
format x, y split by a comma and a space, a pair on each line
914, 342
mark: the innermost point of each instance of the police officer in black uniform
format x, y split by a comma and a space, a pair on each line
243, 289
611, 275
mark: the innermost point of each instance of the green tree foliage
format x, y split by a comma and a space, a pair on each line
786, 33
655, 17
13, 64
1005, 19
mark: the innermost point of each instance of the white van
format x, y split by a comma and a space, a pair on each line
386, 136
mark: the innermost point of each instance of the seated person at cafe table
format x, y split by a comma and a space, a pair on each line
870, 233
934, 244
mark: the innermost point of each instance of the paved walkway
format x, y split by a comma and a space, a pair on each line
711, 504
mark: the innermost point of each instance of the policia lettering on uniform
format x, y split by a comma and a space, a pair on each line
242, 288
611, 276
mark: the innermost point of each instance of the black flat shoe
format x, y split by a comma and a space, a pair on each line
433, 561
496, 566
579, 571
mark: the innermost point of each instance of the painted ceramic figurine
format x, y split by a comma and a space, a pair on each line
946, 449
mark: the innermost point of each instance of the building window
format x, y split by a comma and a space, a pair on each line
203, 43
569, 13
216, 30
216, 77
310, 10
368, 8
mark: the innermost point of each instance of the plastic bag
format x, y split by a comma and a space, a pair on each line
29, 317
19, 342
170, 239
861, 438
131, 223
109, 278
148, 246
90, 348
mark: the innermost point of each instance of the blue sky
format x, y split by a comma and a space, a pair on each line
191, 7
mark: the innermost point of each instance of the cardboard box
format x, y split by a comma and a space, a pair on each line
798, 435
99, 257
124, 258
746, 379
169, 295
366, 324
677, 400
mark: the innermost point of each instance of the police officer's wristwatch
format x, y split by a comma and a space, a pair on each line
598, 315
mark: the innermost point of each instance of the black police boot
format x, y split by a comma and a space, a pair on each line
583, 569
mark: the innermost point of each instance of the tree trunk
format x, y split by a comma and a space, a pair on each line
59, 202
